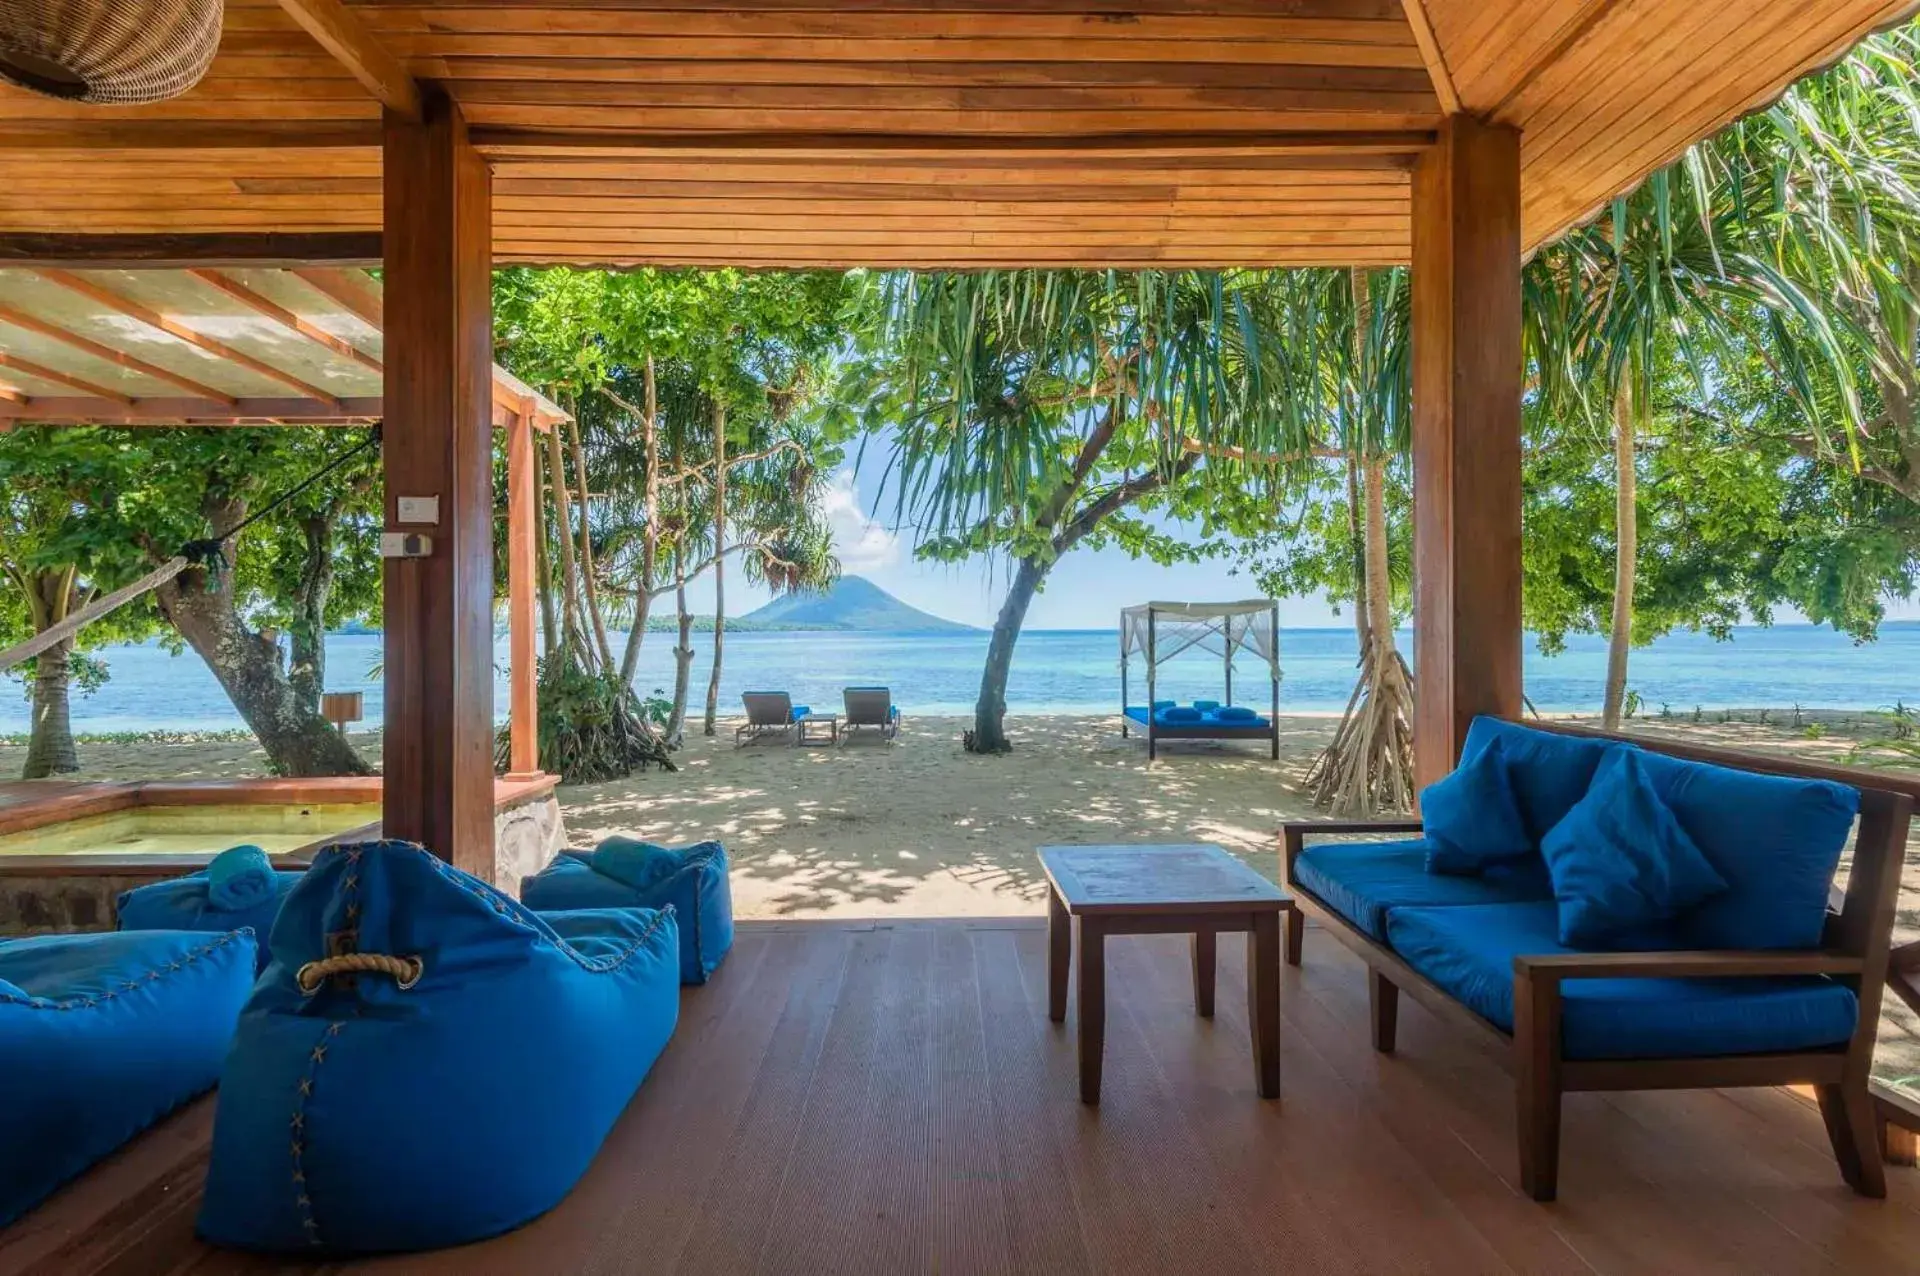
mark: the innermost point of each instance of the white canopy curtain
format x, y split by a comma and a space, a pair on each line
1162, 630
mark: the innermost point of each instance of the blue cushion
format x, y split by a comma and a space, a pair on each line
1164, 704
1775, 839
1362, 881
1548, 772
1469, 952
1179, 714
240, 877
1621, 864
1236, 713
371, 1117
186, 903
1206, 706
693, 879
102, 1035
1471, 818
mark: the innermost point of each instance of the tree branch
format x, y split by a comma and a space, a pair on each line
1118, 498
689, 472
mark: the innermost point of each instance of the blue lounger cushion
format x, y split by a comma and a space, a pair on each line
1549, 772
1774, 838
1363, 881
1469, 950
371, 1117
187, 903
1169, 716
626, 873
101, 1035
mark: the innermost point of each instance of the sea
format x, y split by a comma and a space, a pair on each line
1078, 672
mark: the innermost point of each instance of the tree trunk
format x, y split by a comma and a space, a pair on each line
1626, 550
543, 565
990, 711
248, 667
589, 585
720, 559
1379, 583
307, 668
682, 654
569, 569
50, 748
1356, 535
650, 534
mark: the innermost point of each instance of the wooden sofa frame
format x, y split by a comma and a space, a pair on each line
1855, 951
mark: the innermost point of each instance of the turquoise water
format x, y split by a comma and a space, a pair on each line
1077, 671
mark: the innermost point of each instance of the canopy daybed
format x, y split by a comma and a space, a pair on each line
1161, 631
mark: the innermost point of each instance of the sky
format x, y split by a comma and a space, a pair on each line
1085, 591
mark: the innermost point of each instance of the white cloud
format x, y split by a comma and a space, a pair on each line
862, 544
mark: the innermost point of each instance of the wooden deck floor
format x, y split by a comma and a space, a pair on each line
891, 1099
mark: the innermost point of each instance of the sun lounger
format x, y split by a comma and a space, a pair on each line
768, 713
871, 707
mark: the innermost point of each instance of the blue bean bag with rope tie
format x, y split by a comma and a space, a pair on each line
425, 1062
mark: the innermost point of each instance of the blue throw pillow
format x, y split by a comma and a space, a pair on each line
1621, 864
1471, 819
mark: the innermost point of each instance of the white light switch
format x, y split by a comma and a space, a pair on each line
419, 510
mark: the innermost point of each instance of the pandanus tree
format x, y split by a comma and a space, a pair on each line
1033, 412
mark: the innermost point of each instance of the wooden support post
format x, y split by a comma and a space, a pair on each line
1466, 435
523, 728
438, 443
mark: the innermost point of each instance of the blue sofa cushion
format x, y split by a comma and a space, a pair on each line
1775, 839
1549, 772
626, 873
1471, 819
1363, 881
1236, 713
101, 1035
186, 903
1180, 714
444, 1112
1621, 864
1468, 951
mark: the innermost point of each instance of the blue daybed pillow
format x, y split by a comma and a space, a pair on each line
1236, 713
1621, 864
395, 1112
1206, 706
1471, 819
1181, 715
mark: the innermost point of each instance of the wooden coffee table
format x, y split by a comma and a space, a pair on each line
1161, 890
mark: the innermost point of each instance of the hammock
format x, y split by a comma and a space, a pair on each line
91, 612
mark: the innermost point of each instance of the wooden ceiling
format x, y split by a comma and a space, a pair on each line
207, 346
927, 132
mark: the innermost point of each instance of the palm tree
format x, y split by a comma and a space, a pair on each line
1034, 410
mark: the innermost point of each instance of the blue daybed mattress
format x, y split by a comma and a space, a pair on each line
1208, 720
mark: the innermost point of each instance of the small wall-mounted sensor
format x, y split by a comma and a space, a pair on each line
418, 510
405, 545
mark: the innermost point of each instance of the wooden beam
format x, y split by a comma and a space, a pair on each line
86, 345
523, 716
1432, 56
350, 288
1466, 436
172, 411
180, 331
40, 372
96, 133
438, 752
169, 251
285, 318
340, 33
1313, 145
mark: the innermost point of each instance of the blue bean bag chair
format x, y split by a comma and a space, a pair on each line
623, 872
101, 1035
447, 1076
238, 888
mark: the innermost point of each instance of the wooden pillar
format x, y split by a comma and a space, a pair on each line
439, 444
523, 728
1466, 435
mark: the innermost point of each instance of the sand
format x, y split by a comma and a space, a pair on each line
922, 828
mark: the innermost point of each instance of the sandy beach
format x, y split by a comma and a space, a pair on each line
922, 828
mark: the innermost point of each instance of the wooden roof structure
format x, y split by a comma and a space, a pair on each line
912, 132
204, 346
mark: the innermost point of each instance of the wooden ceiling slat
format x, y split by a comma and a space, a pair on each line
1050, 123
144, 410
1132, 98
86, 345
350, 288
54, 376
665, 74
1374, 10
182, 332
961, 29
246, 296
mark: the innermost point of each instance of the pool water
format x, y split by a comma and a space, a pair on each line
191, 830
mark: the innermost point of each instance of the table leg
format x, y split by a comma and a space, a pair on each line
1059, 955
1263, 1000
1093, 1004
1204, 946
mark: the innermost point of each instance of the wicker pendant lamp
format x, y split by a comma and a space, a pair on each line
118, 51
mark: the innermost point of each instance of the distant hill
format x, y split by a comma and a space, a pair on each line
853, 603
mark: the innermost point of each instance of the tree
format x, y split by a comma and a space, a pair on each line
56, 564
1032, 412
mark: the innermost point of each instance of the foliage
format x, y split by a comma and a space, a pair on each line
591, 726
